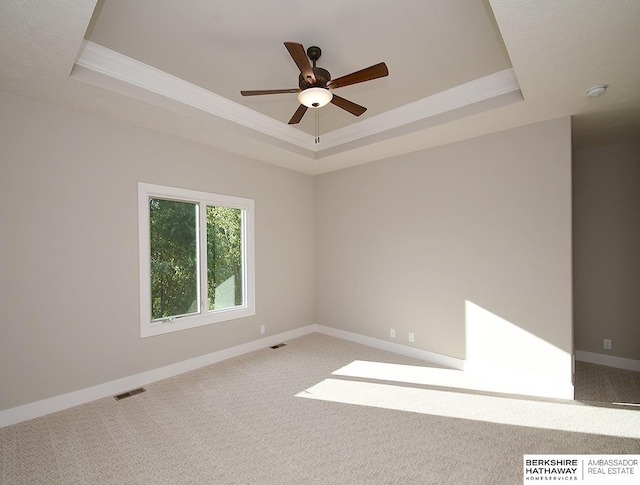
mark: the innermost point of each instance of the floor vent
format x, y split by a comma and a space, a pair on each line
129, 393
278, 346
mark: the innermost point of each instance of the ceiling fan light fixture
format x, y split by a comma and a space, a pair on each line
315, 97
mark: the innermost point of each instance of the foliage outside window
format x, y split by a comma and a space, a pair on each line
224, 256
174, 258
196, 258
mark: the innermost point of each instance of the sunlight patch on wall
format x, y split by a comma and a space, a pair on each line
495, 346
570, 416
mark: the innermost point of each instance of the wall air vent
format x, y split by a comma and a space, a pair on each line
278, 346
129, 393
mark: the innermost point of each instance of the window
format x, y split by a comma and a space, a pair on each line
196, 258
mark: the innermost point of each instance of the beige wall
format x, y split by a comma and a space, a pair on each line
466, 245
69, 248
451, 243
607, 249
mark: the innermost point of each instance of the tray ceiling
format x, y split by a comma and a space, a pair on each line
458, 69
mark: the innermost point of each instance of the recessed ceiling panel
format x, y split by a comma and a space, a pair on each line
428, 45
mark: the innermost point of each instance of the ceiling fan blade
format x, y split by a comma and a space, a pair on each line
269, 91
350, 106
297, 116
302, 61
373, 72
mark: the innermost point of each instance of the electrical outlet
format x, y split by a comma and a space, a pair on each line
261, 328
607, 344
411, 337
392, 333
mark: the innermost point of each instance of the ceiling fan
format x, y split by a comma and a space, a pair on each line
315, 83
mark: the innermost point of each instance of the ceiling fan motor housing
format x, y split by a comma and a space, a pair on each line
322, 78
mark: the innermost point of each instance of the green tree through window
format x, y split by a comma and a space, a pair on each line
174, 258
224, 256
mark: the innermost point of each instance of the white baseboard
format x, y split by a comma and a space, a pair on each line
608, 360
107, 389
425, 355
504, 381
82, 396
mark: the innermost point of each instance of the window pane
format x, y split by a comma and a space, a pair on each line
224, 257
174, 258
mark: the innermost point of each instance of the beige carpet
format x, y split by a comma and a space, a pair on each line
283, 417
606, 384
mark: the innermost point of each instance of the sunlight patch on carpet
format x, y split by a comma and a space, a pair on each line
568, 416
433, 376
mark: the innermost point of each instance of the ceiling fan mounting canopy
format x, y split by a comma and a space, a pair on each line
315, 83
314, 52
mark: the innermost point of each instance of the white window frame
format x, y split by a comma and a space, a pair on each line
148, 327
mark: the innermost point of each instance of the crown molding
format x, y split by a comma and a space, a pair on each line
114, 65
115, 68
481, 89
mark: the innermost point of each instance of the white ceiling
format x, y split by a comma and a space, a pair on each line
457, 69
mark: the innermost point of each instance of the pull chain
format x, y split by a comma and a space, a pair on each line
317, 126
